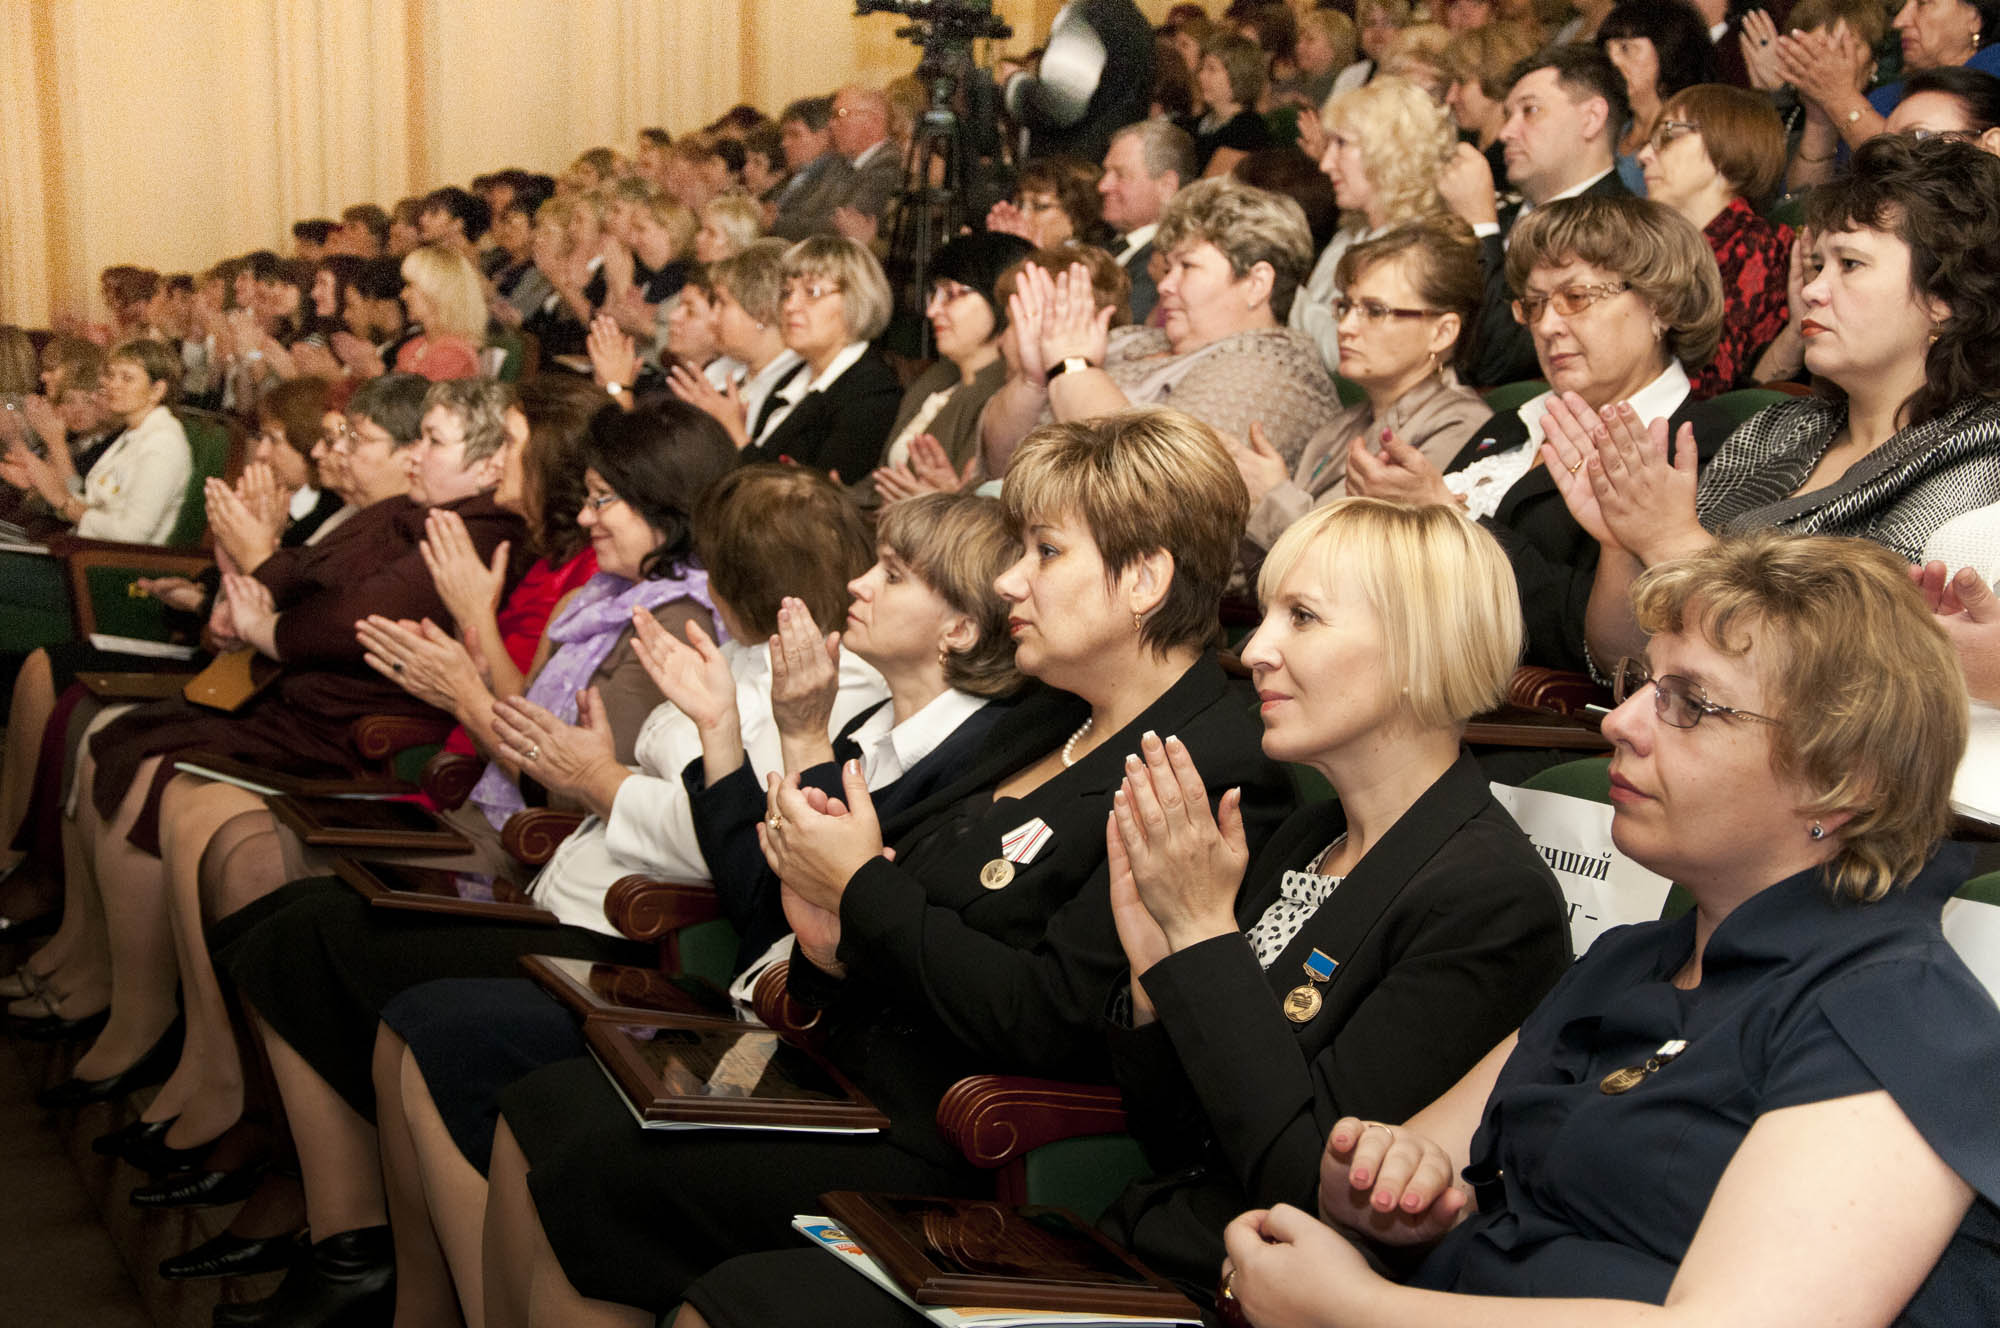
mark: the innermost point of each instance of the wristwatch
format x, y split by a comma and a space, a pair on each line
616, 389
1070, 365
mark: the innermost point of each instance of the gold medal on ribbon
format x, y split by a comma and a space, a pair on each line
1302, 1003
996, 874
1630, 1077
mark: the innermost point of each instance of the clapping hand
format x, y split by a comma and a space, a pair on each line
816, 844
361, 359
805, 675
564, 758
1262, 468
1759, 39
253, 614
240, 533
929, 470
1643, 490
1399, 473
1969, 612
1034, 291
1073, 326
695, 677
613, 358
263, 497
1823, 64
1003, 218
725, 407
423, 659
1186, 863
469, 585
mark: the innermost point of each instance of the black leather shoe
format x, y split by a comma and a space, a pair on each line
243, 1313
157, 1158
231, 1255
117, 1141
200, 1189
55, 1028
151, 1068
349, 1281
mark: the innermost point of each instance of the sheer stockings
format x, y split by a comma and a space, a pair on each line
426, 1274
525, 1283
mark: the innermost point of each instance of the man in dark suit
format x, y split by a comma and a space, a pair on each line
1145, 166
1566, 107
819, 175
860, 129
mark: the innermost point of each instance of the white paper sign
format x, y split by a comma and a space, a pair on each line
1973, 928
1604, 888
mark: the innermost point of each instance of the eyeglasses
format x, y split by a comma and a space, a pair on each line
812, 292
1568, 300
1677, 700
1374, 311
1953, 135
341, 437
947, 292
1036, 203
597, 502
1666, 131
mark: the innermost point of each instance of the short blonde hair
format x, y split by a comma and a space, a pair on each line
1249, 226
1439, 584
865, 301
452, 284
1420, 46
1338, 29
1650, 246
675, 218
754, 278
958, 545
1406, 139
738, 216
1140, 481
1863, 683
1487, 54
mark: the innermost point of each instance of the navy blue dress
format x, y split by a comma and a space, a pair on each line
1803, 999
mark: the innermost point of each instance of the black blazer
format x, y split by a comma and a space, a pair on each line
1145, 293
842, 428
1447, 934
726, 814
1554, 560
948, 978
1502, 350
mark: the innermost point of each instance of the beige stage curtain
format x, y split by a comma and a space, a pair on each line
176, 133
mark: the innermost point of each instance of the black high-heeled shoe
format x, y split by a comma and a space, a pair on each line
200, 1189
114, 1143
345, 1279
151, 1068
231, 1255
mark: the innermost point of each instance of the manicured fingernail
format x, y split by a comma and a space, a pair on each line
1132, 761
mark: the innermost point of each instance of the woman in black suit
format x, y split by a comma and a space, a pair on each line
1375, 944
1622, 298
985, 944
837, 301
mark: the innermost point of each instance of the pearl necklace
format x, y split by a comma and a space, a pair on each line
1069, 748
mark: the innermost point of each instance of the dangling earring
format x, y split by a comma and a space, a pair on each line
1138, 623
1818, 831
944, 655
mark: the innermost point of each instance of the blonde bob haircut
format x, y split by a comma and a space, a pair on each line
1648, 245
1140, 481
1249, 226
448, 279
1863, 683
1406, 138
754, 278
865, 301
957, 544
738, 216
1439, 584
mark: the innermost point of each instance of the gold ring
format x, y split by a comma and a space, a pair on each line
1228, 1290
1578, 466
1378, 1125
533, 753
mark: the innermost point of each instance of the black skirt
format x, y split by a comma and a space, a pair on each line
318, 962
635, 1216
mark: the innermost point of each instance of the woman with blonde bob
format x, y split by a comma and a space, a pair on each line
1386, 143
836, 302
442, 294
1231, 1036
1773, 1110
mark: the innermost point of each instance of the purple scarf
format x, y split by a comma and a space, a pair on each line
595, 620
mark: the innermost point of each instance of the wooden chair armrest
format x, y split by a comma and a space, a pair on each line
380, 737
994, 1119
646, 909
1515, 726
449, 776
772, 999
1557, 691
531, 836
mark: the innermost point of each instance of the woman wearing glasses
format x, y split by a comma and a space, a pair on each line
1773, 1110
836, 302
1900, 311
1622, 298
1410, 295
1713, 150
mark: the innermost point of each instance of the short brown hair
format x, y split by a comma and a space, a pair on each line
1741, 131
1439, 584
1243, 60
1863, 683
754, 278
1486, 55
765, 532
1249, 226
161, 362
296, 405
1444, 265
1141, 480
1073, 182
1650, 246
958, 545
